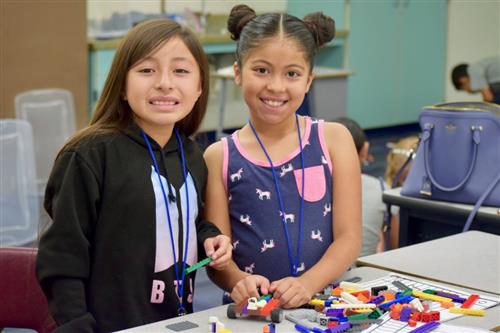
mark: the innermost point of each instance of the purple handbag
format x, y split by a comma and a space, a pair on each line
458, 158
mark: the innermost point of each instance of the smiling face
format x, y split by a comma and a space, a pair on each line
274, 78
162, 88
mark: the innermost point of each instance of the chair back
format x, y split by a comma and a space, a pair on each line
51, 113
22, 302
19, 199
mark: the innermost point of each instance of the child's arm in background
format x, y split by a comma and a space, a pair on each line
346, 223
216, 210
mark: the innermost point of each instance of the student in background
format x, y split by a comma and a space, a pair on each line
126, 193
373, 208
285, 187
397, 156
482, 76
399, 153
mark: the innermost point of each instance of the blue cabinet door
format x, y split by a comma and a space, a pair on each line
335, 9
423, 51
331, 55
397, 52
372, 53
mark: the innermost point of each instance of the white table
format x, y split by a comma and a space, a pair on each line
470, 260
250, 325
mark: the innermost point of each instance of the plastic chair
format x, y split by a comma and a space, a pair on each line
51, 113
23, 304
19, 199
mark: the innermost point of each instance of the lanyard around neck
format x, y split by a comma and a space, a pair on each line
180, 282
294, 263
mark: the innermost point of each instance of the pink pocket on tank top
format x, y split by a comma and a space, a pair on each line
315, 183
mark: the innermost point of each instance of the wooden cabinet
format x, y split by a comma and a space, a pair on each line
397, 54
43, 45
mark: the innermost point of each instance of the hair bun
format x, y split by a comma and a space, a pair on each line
321, 26
240, 15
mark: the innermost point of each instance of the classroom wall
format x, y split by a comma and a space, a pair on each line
473, 33
43, 44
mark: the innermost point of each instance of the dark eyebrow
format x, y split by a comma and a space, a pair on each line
181, 59
149, 58
256, 62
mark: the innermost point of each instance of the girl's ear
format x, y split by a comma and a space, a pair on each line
363, 153
237, 73
199, 90
309, 82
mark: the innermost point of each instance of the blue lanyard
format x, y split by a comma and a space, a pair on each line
294, 264
180, 282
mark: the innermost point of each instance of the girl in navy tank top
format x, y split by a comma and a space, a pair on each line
285, 188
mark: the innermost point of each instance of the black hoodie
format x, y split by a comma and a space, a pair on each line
106, 261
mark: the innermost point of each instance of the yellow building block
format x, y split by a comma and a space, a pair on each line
471, 312
432, 297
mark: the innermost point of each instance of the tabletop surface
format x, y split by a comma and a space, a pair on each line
470, 259
252, 325
394, 197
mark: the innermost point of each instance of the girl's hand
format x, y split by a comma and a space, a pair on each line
218, 248
248, 287
292, 292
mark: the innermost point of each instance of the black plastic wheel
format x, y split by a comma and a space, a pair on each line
277, 315
231, 311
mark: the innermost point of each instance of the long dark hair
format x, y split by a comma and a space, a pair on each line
113, 113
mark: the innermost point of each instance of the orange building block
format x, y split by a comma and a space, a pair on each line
337, 291
389, 295
271, 304
365, 293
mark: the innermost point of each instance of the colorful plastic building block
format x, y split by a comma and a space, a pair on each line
426, 328
470, 301
349, 298
339, 328
400, 285
417, 305
198, 265
388, 295
472, 312
350, 285
377, 300
375, 314
432, 297
404, 299
405, 313
454, 298
254, 304
269, 328
323, 320
270, 311
353, 306
376, 290
301, 329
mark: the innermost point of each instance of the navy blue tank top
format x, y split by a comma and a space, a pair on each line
258, 235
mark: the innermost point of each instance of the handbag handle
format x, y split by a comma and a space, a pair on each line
479, 202
476, 139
